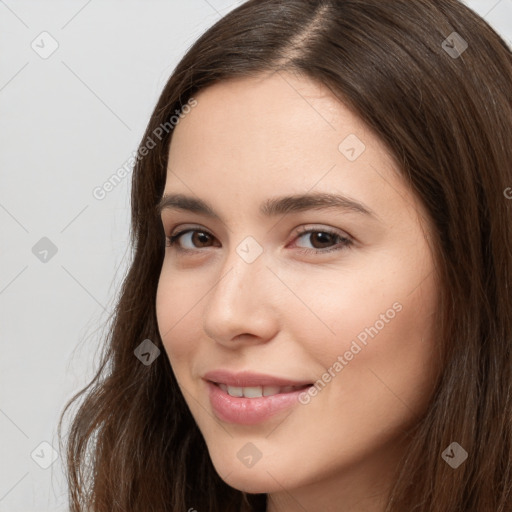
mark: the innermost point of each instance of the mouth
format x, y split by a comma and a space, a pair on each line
257, 391
250, 405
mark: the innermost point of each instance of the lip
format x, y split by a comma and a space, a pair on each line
248, 378
249, 411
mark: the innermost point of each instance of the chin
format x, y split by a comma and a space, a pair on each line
252, 484
255, 480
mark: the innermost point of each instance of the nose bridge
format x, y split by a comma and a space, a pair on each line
243, 269
239, 300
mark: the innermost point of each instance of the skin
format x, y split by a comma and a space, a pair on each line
292, 314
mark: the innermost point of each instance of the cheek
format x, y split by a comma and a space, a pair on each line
176, 312
389, 363
374, 325
360, 304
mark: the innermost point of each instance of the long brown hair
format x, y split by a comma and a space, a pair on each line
444, 111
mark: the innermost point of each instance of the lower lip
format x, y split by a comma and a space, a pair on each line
249, 411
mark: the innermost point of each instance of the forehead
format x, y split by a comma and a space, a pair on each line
278, 104
277, 122
250, 139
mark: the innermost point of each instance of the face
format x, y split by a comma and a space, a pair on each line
333, 296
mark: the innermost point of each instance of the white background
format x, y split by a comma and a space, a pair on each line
67, 123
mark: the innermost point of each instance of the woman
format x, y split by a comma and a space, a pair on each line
247, 371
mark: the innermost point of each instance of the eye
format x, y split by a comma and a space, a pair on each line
324, 237
194, 236
200, 238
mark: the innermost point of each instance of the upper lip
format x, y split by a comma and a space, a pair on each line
248, 378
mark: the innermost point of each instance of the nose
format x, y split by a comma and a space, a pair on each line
241, 307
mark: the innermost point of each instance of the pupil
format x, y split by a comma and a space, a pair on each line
202, 236
320, 235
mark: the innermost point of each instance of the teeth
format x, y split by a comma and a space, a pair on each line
252, 392
255, 391
271, 390
235, 391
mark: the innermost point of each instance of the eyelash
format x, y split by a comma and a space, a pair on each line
345, 242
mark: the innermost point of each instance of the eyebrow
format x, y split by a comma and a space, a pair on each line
271, 207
